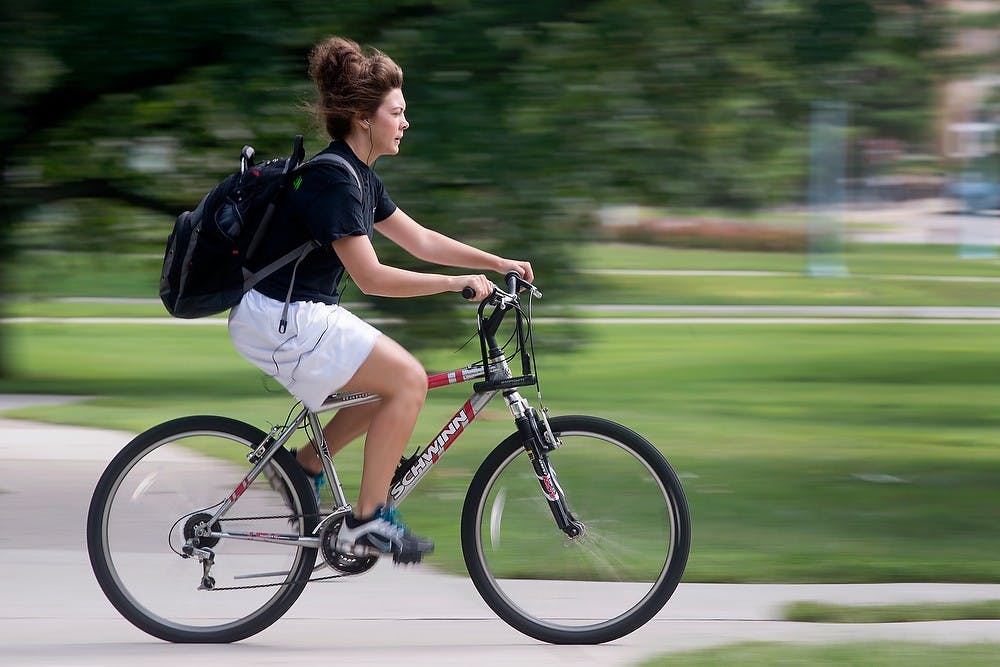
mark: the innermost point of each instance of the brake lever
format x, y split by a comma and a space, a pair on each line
516, 283
497, 297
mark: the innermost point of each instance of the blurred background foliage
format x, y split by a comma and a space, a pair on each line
527, 117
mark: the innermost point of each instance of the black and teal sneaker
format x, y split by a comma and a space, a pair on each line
382, 533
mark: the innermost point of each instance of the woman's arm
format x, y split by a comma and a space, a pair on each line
377, 279
434, 247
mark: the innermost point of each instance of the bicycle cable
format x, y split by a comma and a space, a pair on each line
279, 583
531, 348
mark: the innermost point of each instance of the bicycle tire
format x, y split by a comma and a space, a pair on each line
559, 590
136, 525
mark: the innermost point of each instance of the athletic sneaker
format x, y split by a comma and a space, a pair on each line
381, 534
318, 479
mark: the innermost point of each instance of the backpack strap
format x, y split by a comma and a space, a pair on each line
293, 164
305, 248
336, 160
253, 278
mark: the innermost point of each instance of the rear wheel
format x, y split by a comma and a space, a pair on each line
156, 496
596, 587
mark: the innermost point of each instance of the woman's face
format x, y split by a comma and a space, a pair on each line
388, 124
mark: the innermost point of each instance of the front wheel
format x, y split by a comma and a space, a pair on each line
606, 582
155, 496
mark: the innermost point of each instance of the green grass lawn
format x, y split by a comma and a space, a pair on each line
861, 259
877, 275
819, 453
883, 654
816, 612
809, 453
796, 289
48, 274
872, 279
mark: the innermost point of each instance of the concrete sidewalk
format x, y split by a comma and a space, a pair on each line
53, 612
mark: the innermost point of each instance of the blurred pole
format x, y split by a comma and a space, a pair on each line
977, 234
827, 178
979, 190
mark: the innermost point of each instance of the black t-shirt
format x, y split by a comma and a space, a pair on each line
322, 203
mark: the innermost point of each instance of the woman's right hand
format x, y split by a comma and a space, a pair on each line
522, 268
480, 284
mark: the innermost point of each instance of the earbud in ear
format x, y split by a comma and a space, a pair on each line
366, 122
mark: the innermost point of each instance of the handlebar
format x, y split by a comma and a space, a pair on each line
504, 303
514, 284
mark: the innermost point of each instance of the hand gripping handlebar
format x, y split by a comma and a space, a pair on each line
514, 285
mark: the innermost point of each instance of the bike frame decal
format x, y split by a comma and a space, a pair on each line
240, 488
433, 451
270, 536
445, 437
453, 377
545, 479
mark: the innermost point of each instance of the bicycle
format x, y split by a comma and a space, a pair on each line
584, 557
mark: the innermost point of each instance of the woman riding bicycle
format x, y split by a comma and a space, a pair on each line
326, 348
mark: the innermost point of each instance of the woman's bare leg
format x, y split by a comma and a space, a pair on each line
395, 375
346, 425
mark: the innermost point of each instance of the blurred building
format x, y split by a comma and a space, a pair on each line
969, 120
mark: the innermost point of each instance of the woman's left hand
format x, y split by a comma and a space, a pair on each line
522, 268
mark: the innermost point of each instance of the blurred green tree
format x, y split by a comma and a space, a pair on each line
526, 116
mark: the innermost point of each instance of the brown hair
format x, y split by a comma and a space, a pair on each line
349, 82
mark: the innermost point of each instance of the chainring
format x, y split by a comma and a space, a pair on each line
338, 560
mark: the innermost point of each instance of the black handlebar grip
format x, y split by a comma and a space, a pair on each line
468, 292
512, 278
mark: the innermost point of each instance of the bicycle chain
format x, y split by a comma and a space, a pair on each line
274, 516
282, 583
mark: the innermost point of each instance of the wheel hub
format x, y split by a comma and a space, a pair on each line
197, 523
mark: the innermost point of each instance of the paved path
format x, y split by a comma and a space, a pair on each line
52, 612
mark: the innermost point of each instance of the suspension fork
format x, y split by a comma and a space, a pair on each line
538, 440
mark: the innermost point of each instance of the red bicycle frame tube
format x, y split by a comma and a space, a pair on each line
448, 434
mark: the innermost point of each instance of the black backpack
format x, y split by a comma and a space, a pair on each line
205, 266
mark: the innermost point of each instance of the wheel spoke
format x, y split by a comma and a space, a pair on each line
609, 580
146, 510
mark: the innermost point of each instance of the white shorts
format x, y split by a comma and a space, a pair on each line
320, 351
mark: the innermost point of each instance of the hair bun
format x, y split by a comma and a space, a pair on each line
349, 82
334, 62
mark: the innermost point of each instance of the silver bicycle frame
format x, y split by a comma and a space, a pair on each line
428, 457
